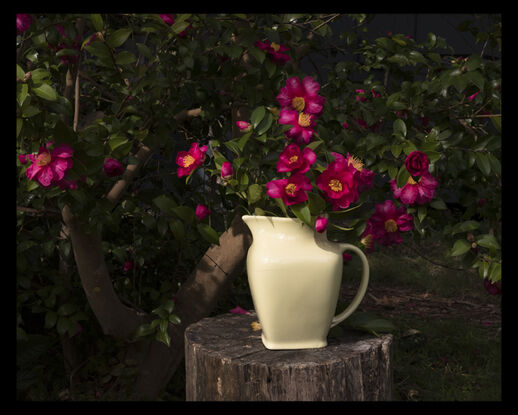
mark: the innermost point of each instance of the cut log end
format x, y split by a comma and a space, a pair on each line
226, 360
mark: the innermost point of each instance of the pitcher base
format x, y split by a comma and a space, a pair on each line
307, 344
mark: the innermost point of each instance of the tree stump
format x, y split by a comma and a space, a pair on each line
225, 360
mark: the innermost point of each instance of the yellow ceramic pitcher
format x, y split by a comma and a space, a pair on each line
294, 274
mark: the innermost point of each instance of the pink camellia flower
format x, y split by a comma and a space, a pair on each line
202, 212
22, 158
128, 265
338, 184
421, 191
169, 20
346, 257
301, 96
65, 44
112, 167
244, 126
189, 160
49, 167
345, 125
238, 310
387, 222
23, 22
360, 95
361, 122
472, 97
302, 123
227, 171
493, 288
65, 184
417, 163
291, 190
362, 176
294, 160
274, 51
321, 224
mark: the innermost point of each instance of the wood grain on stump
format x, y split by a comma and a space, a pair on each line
225, 360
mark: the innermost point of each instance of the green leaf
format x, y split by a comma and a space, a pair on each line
483, 163
254, 193
62, 325
488, 241
438, 204
45, 91
19, 125
402, 177
399, 127
118, 37
124, 57
475, 77
168, 306
177, 228
97, 21
208, 233
421, 213
461, 246
301, 211
67, 309
265, 124
495, 272
257, 116
370, 323
50, 319
163, 336
316, 203
466, 226
116, 141
173, 318
185, 213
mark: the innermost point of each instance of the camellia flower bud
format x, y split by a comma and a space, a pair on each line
227, 171
321, 224
112, 167
244, 126
202, 211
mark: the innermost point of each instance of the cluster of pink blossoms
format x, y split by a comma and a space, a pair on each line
301, 106
420, 187
343, 178
50, 166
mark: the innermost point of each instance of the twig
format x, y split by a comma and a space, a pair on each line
436, 263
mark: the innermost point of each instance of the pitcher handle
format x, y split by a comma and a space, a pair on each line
361, 290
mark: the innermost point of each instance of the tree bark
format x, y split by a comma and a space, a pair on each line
225, 360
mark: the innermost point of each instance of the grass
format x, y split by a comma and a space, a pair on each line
447, 345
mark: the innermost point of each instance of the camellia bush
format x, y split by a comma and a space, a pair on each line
143, 138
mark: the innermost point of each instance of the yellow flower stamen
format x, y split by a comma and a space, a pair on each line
291, 189
412, 181
188, 160
293, 159
335, 185
275, 46
356, 162
304, 119
391, 225
43, 159
368, 241
298, 103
